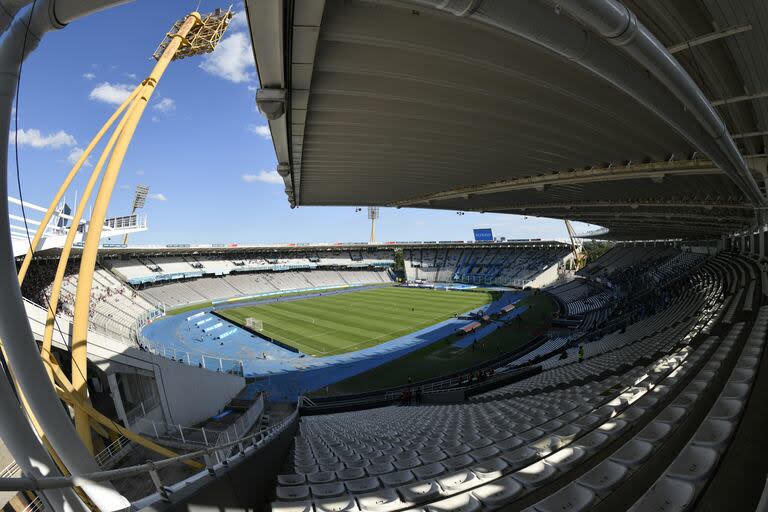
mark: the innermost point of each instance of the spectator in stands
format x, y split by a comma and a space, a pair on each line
581, 353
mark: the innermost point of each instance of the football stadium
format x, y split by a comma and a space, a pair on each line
562, 304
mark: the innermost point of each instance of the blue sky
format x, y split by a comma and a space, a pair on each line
201, 146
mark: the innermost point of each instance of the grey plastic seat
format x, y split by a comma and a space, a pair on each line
383, 500
419, 491
592, 441
546, 445
666, 495
408, 463
453, 451
350, 473
726, 409
459, 462
713, 433
305, 470
735, 390
498, 492
457, 481
291, 479
329, 490
380, 469
479, 443
535, 474
604, 477
613, 428
362, 485
510, 443
520, 456
380, 459
429, 471
429, 458
633, 453
672, 415
292, 493
654, 432
398, 478
573, 498
530, 435
321, 477
484, 453
694, 463
460, 503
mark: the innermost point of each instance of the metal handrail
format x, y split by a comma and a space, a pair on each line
28, 483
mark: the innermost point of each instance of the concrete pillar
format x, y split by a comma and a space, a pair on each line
761, 242
114, 390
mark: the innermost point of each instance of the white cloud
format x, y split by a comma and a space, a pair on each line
261, 130
114, 94
125, 187
74, 156
35, 139
132, 76
232, 60
239, 20
270, 177
158, 197
165, 105
89, 76
140, 172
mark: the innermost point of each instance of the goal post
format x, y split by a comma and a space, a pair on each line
254, 323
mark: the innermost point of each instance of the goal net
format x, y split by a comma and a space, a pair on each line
254, 323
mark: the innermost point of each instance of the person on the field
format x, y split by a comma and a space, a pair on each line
581, 353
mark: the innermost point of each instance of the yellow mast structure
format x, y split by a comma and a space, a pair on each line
190, 36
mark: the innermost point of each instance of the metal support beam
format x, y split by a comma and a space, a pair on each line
706, 205
707, 38
628, 172
737, 99
750, 134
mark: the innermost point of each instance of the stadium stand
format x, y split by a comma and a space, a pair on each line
579, 430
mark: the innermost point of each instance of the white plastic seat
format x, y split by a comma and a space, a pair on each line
694, 463
604, 477
380, 501
566, 458
672, 415
510, 443
460, 503
283, 506
292, 493
613, 428
535, 474
457, 481
484, 453
340, 504
633, 453
520, 456
419, 491
362, 485
725, 409
592, 441
489, 468
666, 495
397, 478
735, 390
498, 492
572, 498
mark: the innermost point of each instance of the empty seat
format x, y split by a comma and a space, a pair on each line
294, 479
462, 461
350, 473
397, 478
380, 501
363, 485
292, 493
633, 453
490, 468
573, 497
654, 432
321, 477
714, 433
519, 456
566, 458
419, 491
693, 463
535, 474
429, 471
340, 504
604, 477
460, 503
328, 490
283, 506
666, 495
498, 492
380, 469
457, 481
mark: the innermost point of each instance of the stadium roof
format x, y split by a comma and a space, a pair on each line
649, 120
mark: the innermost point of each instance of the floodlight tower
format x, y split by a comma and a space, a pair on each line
373, 214
139, 200
192, 35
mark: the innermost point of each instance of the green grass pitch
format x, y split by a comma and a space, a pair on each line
346, 322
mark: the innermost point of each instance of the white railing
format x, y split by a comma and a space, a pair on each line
115, 449
145, 406
212, 362
9, 470
243, 424
36, 505
199, 436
